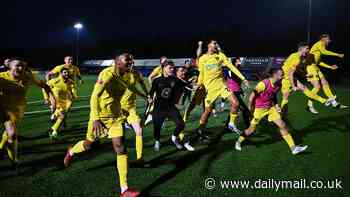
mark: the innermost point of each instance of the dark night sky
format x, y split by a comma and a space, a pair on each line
153, 28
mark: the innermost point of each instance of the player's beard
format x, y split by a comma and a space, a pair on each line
17, 73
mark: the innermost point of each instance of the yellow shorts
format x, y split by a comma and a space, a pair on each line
131, 114
213, 95
113, 125
260, 113
286, 86
198, 96
314, 73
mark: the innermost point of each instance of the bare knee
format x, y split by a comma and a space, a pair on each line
207, 111
87, 144
324, 81
11, 132
118, 145
283, 129
12, 137
286, 96
316, 85
62, 115
137, 128
234, 105
301, 86
138, 132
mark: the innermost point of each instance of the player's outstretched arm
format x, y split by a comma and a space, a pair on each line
102, 81
153, 74
291, 78
201, 73
199, 50
48, 75
251, 101
324, 51
153, 88
52, 73
235, 70
46, 88
81, 81
71, 88
333, 67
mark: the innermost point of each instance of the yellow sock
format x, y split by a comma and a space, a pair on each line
233, 118
12, 150
122, 165
284, 102
182, 135
313, 91
288, 138
314, 96
139, 146
309, 102
3, 140
241, 139
327, 91
57, 124
78, 147
185, 116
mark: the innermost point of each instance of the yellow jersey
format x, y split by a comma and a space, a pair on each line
73, 71
319, 49
131, 79
13, 91
157, 71
290, 63
61, 89
106, 95
211, 70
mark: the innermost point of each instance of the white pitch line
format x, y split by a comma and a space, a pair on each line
47, 110
42, 101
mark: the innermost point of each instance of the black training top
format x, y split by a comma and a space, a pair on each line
168, 90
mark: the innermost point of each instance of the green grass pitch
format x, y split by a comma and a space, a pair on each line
180, 173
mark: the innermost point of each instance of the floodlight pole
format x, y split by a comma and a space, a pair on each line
77, 26
77, 46
309, 22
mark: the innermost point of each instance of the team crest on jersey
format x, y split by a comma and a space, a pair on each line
217, 58
21, 84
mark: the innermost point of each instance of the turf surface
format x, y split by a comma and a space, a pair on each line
179, 173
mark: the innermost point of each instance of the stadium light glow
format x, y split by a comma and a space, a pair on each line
78, 26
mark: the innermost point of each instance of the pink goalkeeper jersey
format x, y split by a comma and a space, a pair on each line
233, 85
233, 82
265, 98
